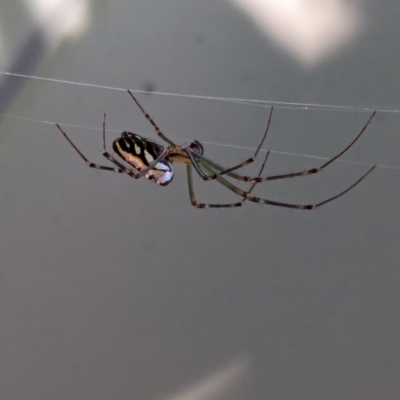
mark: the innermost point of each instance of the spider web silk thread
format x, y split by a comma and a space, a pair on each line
253, 102
250, 102
285, 153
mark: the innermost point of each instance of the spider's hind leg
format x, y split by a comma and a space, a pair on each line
88, 162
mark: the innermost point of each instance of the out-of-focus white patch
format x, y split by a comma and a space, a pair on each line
59, 19
309, 29
216, 385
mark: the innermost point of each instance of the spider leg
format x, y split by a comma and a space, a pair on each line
199, 162
196, 165
210, 166
259, 174
203, 205
224, 182
197, 159
155, 126
259, 200
89, 163
245, 162
311, 171
221, 171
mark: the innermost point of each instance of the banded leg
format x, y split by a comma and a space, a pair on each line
311, 171
209, 167
155, 126
258, 179
193, 200
88, 162
221, 170
260, 200
249, 160
199, 159
247, 195
259, 174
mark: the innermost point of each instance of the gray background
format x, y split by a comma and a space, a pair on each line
113, 288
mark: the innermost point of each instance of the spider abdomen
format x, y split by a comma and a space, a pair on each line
140, 153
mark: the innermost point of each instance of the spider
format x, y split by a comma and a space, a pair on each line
153, 161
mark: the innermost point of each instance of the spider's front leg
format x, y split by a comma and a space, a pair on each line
306, 172
147, 116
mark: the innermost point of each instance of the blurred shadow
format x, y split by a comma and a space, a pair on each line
54, 20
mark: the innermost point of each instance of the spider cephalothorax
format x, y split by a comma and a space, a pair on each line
149, 159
